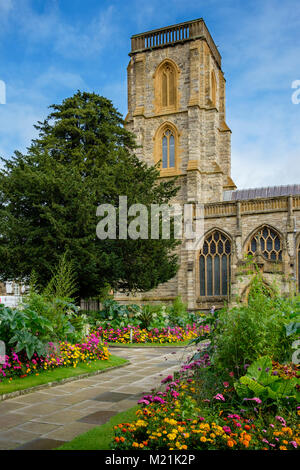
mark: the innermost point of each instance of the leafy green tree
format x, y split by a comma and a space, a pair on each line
83, 157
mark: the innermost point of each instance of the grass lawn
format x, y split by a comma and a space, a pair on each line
58, 374
99, 438
150, 345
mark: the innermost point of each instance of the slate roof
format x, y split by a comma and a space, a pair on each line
256, 193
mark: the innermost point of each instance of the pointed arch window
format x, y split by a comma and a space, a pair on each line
168, 86
214, 265
268, 242
166, 82
168, 149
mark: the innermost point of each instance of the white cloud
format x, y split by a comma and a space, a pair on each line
28, 103
67, 39
56, 78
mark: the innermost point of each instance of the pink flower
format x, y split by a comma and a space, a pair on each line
231, 374
144, 402
169, 378
227, 429
281, 420
159, 400
257, 400
219, 396
226, 384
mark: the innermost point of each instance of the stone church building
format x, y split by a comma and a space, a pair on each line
176, 109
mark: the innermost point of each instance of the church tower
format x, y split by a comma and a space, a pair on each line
176, 109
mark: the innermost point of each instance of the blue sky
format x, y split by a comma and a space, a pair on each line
51, 48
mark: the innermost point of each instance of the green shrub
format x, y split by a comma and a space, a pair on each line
63, 283
116, 315
252, 330
24, 330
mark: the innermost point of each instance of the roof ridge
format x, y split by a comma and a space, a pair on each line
263, 192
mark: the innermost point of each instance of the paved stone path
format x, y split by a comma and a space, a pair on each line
49, 417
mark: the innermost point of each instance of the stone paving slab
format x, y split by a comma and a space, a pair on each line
41, 444
47, 418
7, 445
38, 428
61, 417
18, 435
40, 409
98, 418
112, 396
69, 431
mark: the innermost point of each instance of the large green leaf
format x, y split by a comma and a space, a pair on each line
260, 382
253, 385
261, 371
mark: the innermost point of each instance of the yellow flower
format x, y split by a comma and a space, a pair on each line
172, 421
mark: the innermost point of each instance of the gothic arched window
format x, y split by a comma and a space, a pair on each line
214, 265
268, 242
168, 86
168, 149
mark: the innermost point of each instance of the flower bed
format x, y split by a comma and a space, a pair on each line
155, 335
64, 354
176, 419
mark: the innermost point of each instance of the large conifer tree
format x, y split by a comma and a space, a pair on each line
83, 157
